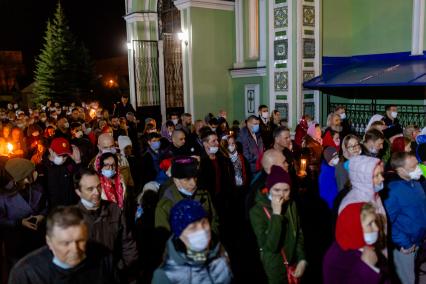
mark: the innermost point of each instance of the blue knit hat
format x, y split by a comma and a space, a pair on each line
185, 212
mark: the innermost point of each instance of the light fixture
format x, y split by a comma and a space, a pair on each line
183, 36
129, 46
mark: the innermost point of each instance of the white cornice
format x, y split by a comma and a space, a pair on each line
248, 72
207, 4
140, 17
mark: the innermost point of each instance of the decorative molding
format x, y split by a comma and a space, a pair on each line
239, 35
141, 17
251, 98
262, 33
207, 4
253, 25
248, 72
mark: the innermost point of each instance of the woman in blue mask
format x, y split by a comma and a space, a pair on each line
113, 186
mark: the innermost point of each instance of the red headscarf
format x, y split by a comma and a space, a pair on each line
328, 141
349, 233
113, 187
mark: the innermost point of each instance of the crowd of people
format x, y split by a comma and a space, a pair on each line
91, 195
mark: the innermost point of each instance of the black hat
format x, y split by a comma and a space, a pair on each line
184, 167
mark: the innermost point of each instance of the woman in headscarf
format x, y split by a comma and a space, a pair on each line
351, 147
352, 258
275, 222
312, 145
112, 183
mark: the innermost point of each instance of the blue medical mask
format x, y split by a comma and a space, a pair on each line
255, 128
185, 192
156, 145
378, 187
108, 173
61, 264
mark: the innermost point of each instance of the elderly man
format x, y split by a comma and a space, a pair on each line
106, 144
107, 224
68, 257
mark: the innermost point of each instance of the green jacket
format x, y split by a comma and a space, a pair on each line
281, 231
172, 196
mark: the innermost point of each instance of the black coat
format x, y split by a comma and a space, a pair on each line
38, 267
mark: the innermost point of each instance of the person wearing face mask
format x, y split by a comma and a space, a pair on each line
265, 125
59, 170
252, 143
392, 122
406, 208
106, 144
112, 183
373, 143
344, 121
193, 254
23, 208
150, 159
82, 142
327, 180
107, 223
68, 255
184, 186
275, 222
352, 258
366, 179
63, 128
312, 146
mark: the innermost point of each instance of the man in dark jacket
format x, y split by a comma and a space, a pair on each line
60, 169
392, 122
252, 143
68, 257
79, 139
106, 221
265, 125
123, 107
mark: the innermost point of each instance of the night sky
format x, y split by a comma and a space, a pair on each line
98, 23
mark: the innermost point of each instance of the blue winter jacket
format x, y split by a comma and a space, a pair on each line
327, 184
406, 208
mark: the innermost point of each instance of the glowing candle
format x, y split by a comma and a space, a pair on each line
10, 147
302, 171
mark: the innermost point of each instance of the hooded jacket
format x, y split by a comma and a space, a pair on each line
179, 269
280, 232
361, 169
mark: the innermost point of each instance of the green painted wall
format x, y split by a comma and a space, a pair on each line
358, 27
381, 26
213, 51
337, 27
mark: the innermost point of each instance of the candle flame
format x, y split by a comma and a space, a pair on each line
9, 147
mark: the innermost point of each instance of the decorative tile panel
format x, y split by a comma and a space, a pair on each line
280, 49
308, 48
283, 109
308, 75
309, 16
281, 81
280, 17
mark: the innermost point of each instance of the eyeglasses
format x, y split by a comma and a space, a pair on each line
350, 148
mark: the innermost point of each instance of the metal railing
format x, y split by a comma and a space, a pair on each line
360, 114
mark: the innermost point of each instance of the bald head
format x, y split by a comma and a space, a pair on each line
105, 141
178, 138
271, 158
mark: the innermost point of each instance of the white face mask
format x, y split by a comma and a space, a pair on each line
213, 150
394, 114
265, 115
343, 115
199, 240
109, 150
88, 204
416, 174
66, 125
58, 160
231, 148
335, 161
79, 134
175, 121
371, 238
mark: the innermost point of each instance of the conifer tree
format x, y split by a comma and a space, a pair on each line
64, 69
